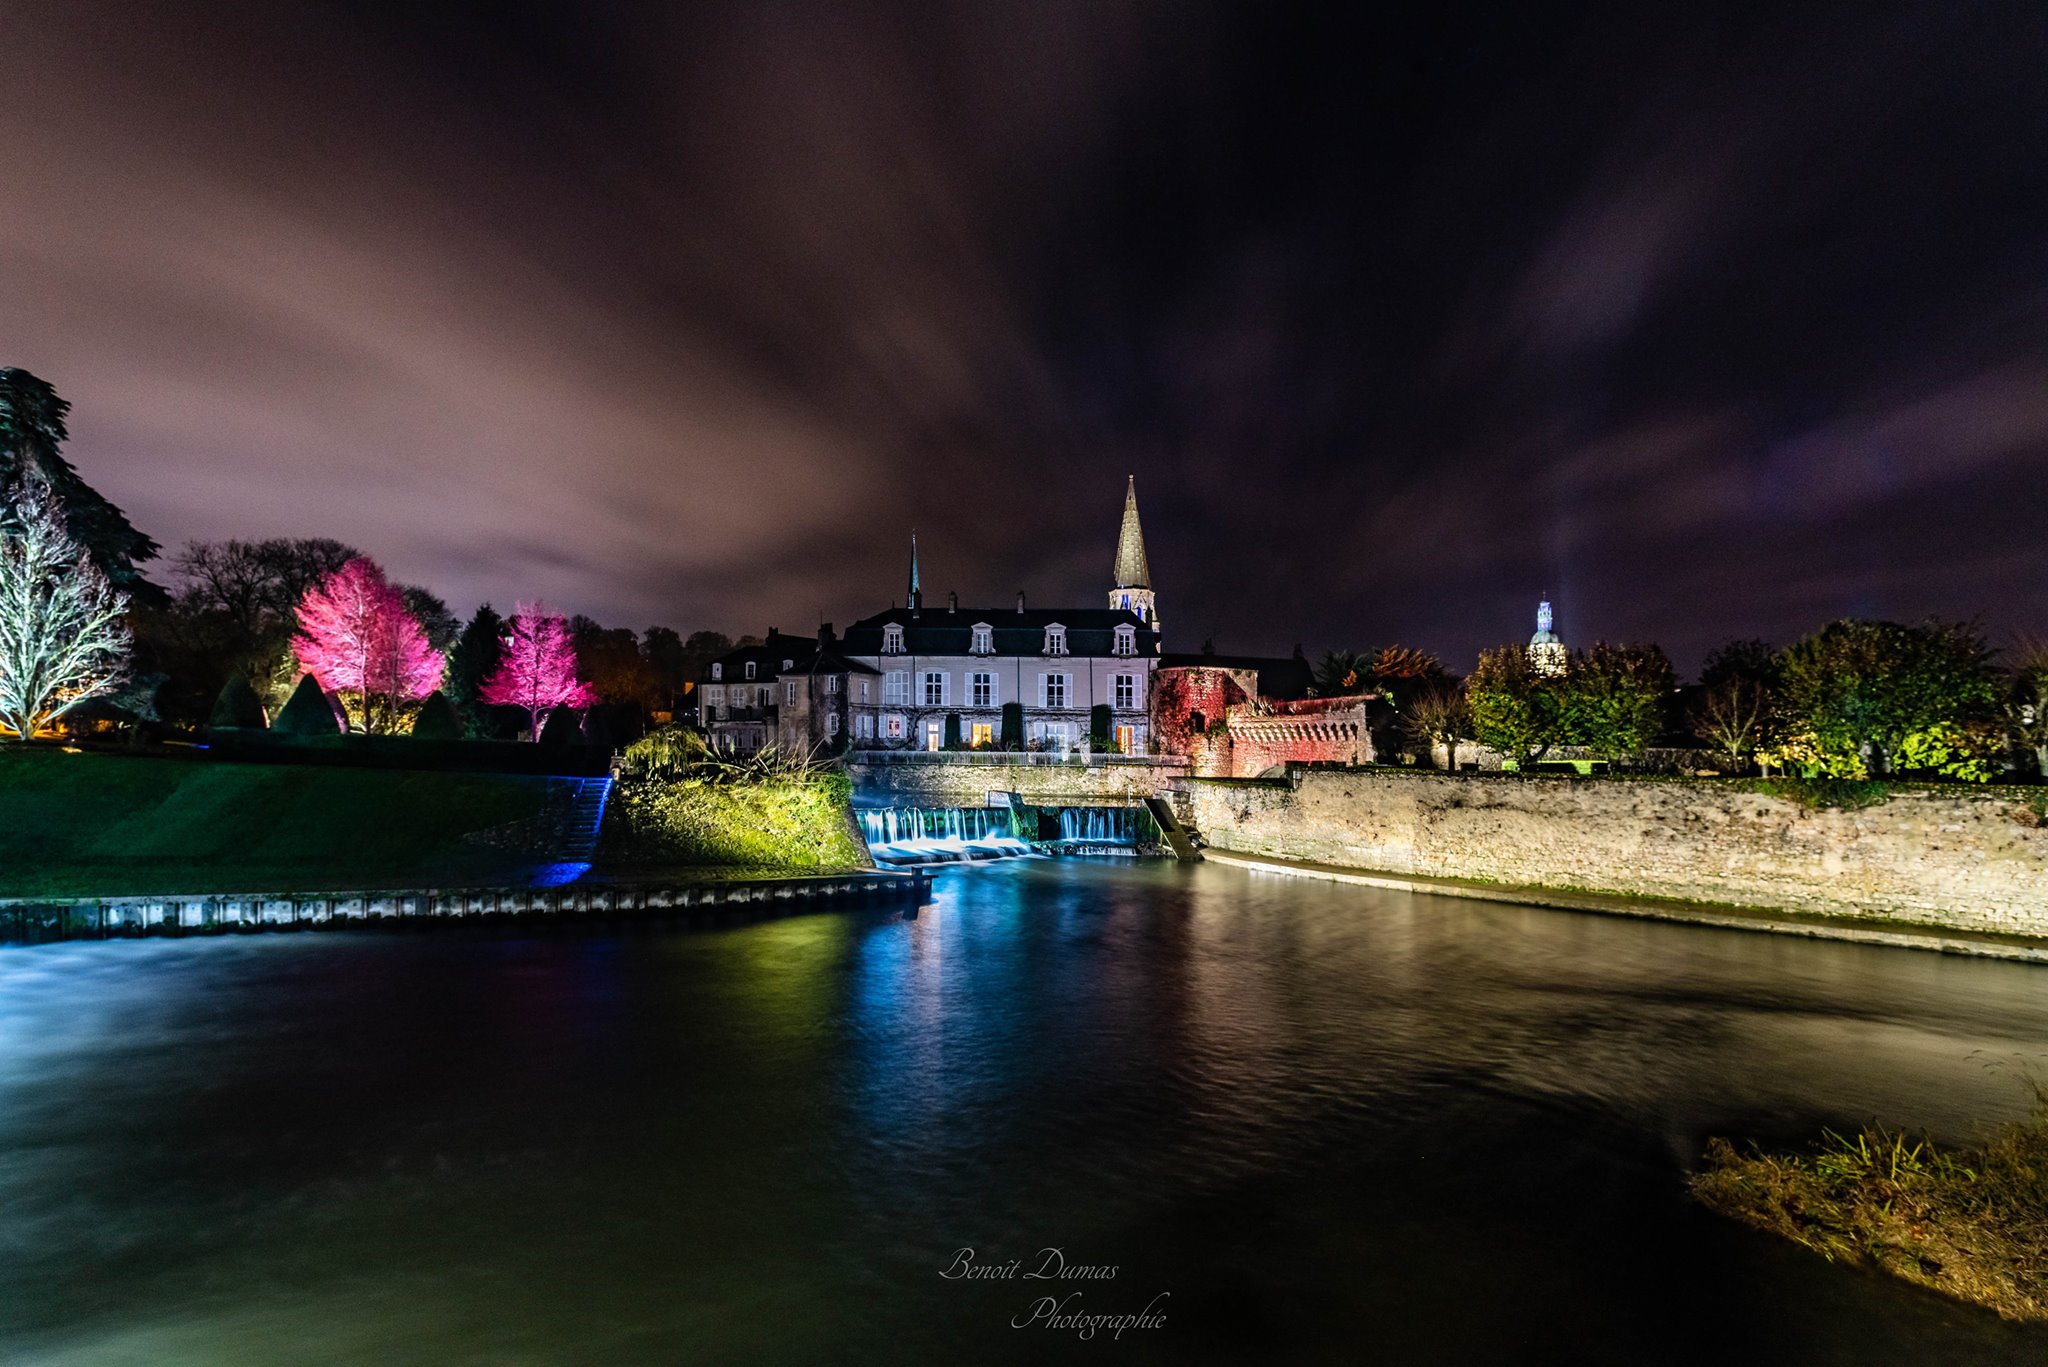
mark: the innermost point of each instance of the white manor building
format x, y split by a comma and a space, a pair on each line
918, 677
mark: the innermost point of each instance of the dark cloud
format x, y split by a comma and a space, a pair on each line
1713, 324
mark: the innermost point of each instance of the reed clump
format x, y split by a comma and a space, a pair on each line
1969, 1223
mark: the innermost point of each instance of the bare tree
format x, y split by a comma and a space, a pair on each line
62, 637
1730, 717
1439, 716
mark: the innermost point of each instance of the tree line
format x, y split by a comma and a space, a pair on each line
1854, 699
243, 624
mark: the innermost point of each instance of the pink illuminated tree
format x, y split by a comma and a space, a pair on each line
356, 637
538, 669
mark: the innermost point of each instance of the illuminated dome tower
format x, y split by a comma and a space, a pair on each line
1133, 591
1547, 654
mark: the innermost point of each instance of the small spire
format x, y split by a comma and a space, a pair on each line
915, 599
1131, 570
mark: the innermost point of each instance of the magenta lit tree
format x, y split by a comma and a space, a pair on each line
357, 638
538, 669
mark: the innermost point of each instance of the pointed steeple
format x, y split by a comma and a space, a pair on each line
1133, 591
1131, 570
915, 599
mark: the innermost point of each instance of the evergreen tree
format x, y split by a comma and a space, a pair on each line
470, 665
32, 435
1013, 726
1098, 727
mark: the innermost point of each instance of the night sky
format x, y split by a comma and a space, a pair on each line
1710, 326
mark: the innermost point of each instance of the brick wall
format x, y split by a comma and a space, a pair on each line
1948, 858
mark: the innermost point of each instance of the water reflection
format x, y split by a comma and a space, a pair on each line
1327, 1120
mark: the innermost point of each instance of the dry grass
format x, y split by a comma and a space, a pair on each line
1972, 1224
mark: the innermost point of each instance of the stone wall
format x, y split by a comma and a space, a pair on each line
966, 780
1953, 858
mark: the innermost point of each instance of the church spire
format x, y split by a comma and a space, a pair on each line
915, 598
1131, 570
1133, 591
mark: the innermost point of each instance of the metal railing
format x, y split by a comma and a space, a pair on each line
1005, 758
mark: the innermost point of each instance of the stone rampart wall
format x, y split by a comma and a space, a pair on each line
1948, 858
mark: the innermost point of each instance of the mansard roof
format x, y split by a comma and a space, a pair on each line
939, 631
804, 653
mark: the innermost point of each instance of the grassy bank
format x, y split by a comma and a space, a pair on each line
1972, 1224
797, 822
83, 825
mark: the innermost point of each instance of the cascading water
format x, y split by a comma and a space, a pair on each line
924, 835
1106, 827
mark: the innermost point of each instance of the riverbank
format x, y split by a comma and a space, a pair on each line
1897, 934
1969, 1223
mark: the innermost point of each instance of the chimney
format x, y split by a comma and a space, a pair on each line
1020, 600
825, 636
952, 602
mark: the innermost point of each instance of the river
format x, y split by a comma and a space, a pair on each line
1300, 1121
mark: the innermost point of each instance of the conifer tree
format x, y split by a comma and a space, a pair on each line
32, 435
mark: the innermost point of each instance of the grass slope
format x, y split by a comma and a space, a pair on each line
106, 825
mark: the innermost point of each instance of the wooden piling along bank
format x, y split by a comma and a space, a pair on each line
46, 920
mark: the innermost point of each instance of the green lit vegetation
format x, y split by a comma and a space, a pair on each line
1972, 1224
679, 804
1846, 794
82, 825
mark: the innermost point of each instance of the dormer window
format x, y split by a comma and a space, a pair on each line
984, 639
892, 639
717, 671
1126, 640
1055, 639
750, 669
788, 665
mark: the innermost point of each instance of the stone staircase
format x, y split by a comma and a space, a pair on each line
583, 820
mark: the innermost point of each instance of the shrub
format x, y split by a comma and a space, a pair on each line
437, 719
773, 820
237, 706
308, 712
561, 728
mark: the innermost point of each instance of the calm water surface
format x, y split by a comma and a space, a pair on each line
1330, 1124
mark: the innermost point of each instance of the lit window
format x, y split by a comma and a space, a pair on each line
931, 735
1055, 690
1126, 641
896, 687
892, 640
984, 639
983, 735
934, 689
1055, 640
1126, 691
984, 690
892, 726
1127, 740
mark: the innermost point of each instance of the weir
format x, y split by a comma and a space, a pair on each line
927, 835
